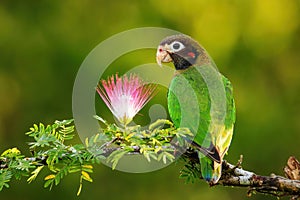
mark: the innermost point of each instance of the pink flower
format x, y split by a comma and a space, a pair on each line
124, 96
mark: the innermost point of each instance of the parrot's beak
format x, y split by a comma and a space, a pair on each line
163, 54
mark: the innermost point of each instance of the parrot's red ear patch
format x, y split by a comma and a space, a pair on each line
191, 54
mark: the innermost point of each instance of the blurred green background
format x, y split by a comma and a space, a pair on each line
256, 44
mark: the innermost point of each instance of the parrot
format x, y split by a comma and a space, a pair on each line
201, 99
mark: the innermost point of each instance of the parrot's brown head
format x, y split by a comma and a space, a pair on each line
182, 50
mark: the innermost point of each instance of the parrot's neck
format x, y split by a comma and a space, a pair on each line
180, 71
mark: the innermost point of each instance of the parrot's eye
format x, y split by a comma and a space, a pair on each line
177, 46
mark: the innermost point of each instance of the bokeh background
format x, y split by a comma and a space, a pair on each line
255, 43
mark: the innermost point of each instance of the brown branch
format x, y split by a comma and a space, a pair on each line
232, 175
275, 185
236, 176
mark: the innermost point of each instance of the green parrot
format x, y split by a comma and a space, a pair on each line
199, 98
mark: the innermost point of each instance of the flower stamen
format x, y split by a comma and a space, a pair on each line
125, 96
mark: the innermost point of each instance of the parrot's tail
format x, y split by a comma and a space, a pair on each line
210, 170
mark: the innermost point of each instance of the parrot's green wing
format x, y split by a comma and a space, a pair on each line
211, 170
201, 99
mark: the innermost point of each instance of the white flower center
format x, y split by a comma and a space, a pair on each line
124, 109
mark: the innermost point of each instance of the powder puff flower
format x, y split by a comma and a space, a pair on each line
125, 96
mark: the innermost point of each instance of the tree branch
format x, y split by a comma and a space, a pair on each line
236, 176
273, 184
232, 175
48, 149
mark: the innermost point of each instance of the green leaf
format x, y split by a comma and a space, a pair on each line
115, 156
5, 177
100, 119
74, 169
160, 123
164, 156
34, 174
87, 168
150, 154
57, 179
49, 183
